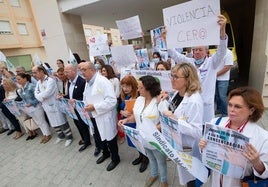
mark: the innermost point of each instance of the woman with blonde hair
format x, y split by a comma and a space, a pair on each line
10, 94
186, 110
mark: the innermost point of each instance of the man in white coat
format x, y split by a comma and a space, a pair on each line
100, 100
206, 68
46, 92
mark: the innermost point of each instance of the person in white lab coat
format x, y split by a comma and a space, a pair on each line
46, 92
100, 100
245, 108
185, 80
206, 68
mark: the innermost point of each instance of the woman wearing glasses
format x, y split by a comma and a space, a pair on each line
245, 108
187, 108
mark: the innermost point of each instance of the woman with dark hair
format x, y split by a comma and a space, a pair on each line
145, 109
162, 66
129, 92
245, 108
108, 72
156, 57
34, 108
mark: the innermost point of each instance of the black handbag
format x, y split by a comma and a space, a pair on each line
18, 98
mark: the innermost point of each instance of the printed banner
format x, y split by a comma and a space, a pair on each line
193, 23
194, 166
135, 138
67, 108
98, 45
223, 152
162, 76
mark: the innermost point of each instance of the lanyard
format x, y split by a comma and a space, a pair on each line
240, 129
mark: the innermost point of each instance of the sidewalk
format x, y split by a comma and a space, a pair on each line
29, 163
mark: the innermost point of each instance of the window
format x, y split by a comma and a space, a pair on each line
15, 3
22, 60
5, 27
22, 28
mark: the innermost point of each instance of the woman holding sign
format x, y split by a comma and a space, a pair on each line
245, 108
188, 113
128, 96
146, 116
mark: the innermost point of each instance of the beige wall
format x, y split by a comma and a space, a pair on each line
14, 15
258, 76
62, 32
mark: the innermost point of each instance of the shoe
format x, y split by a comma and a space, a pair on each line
2, 130
150, 181
46, 139
81, 142
33, 136
164, 184
18, 135
58, 140
97, 151
143, 166
82, 148
10, 132
28, 138
112, 165
102, 158
68, 142
137, 161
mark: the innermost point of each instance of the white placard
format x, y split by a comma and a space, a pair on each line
192, 24
124, 55
129, 28
98, 45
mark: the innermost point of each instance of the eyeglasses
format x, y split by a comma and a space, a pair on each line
175, 77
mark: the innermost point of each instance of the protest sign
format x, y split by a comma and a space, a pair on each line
223, 152
66, 107
98, 45
193, 165
129, 28
12, 107
135, 138
157, 39
193, 23
170, 131
79, 106
123, 55
143, 59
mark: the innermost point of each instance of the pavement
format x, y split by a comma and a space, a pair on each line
29, 163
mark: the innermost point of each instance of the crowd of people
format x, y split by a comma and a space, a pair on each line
193, 80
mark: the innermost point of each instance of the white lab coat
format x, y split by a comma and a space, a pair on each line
190, 110
46, 92
207, 73
102, 96
258, 137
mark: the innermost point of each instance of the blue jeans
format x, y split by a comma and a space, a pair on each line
157, 161
221, 96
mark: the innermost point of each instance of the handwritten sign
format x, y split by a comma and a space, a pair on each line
98, 45
192, 24
129, 28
